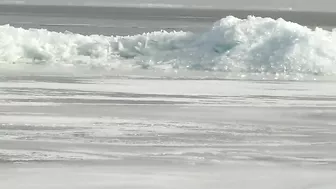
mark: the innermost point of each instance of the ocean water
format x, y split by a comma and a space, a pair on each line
166, 98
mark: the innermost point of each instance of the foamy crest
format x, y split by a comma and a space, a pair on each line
252, 45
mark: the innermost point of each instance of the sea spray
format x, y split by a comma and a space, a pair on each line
245, 46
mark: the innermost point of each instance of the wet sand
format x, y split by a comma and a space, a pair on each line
124, 133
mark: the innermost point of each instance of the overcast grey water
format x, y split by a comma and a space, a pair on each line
212, 99
131, 21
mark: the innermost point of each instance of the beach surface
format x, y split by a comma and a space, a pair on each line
181, 125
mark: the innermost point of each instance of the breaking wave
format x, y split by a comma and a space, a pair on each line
232, 45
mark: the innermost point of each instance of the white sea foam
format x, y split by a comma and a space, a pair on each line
232, 45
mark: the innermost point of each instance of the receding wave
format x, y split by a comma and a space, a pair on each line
232, 45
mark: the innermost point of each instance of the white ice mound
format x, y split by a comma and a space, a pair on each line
231, 45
